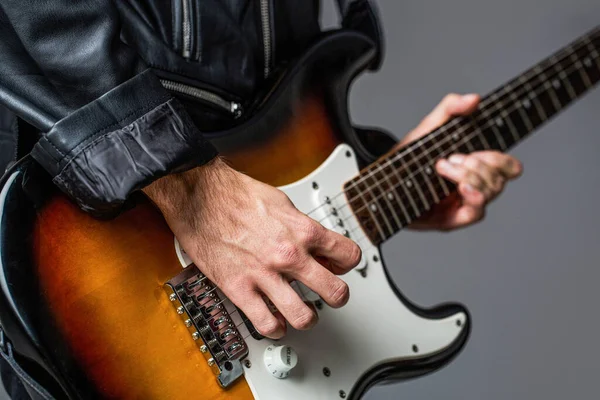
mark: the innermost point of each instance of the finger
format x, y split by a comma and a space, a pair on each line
462, 176
261, 317
320, 280
452, 105
341, 253
507, 165
490, 175
464, 216
472, 197
287, 301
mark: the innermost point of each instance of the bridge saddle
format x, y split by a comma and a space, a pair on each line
212, 322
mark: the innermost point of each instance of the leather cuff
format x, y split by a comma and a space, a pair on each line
131, 136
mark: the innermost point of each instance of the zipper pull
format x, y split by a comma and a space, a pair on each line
236, 109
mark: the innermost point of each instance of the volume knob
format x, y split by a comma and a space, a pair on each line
280, 360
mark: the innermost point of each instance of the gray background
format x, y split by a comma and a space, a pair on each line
529, 272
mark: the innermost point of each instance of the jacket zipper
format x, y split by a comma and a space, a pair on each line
266, 31
186, 51
232, 107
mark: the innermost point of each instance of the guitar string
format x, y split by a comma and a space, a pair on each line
411, 147
566, 52
453, 144
491, 114
490, 120
444, 129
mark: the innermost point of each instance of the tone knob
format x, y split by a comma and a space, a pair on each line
280, 360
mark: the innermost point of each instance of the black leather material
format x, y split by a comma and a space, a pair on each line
8, 138
61, 60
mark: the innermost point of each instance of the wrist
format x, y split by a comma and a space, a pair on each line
174, 192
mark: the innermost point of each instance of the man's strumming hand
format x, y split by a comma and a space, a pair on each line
249, 239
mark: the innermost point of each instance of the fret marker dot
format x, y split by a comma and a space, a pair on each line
390, 196
409, 183
587, 62
499, 122
373, 208
527, 104
562, 75
428, 171
455, 137
556, 84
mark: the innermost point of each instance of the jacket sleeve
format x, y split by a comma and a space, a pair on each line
110, 127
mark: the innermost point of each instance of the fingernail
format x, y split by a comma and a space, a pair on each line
456, 159
470, 97
444, 164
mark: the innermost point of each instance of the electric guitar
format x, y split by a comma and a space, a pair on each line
114, 309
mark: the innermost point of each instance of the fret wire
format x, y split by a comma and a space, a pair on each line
367, 205
408, 214
377, 207
510, 122
520, 78
535, 101
592, 48
422, 150
415, 184
526, 86
431, 162
397, 197
467, 139
549, 88
562, 75
484, 114
582, 72
402, 183
524, 115
385, 192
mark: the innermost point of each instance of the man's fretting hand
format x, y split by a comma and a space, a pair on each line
480, 176
249, 239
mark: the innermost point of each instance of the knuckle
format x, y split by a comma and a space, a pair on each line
303, 320
310, 231
286, 253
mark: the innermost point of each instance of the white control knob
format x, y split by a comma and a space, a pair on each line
280, 360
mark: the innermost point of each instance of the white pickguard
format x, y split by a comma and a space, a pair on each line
374, 327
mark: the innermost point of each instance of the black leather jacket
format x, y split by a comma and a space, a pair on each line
98, 79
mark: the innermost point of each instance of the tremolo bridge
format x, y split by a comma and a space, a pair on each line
212, 321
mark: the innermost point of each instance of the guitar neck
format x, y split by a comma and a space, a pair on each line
399, 188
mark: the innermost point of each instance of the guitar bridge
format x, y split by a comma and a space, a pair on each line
212, 321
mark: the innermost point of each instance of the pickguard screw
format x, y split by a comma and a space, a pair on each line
375, 258
247, 364
315, 185
319, 304
415, 348
342, 394
326, 372
363, 272
348, 154
458, 322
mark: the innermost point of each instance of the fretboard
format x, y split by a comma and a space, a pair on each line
401, 187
